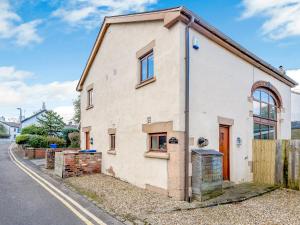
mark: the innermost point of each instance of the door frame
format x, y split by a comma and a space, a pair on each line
229, 147
87, 140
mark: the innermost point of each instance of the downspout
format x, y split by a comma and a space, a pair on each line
187, 182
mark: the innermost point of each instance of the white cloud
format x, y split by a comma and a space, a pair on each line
89, 13
295, 75
67, 112
12, 26
16, 92
9, 73
282, 17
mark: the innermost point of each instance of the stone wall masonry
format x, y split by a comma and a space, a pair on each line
50, 155
76, 164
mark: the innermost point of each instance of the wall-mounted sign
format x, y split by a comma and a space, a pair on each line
173, 140
238, 141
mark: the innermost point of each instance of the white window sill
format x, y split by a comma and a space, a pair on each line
157, 155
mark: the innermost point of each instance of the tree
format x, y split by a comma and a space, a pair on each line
76, 105
33, 129
51, 123
3, 132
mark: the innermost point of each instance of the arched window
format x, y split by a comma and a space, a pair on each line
265, 105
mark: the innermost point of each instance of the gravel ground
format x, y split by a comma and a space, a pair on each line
136, 204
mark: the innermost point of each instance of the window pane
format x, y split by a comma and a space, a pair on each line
272, 112
264, 96
150, 66
144, 69
272, 132
264, 110
256, 95
154, 142
264, 131
256, 108
256, 131
162, 142
271, 100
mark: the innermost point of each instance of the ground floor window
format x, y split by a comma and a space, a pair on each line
263, 131
158, 142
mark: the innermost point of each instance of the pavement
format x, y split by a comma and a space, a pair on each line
24, 201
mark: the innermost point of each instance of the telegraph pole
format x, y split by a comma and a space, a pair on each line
20, 117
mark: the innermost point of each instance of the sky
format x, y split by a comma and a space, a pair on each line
45, 44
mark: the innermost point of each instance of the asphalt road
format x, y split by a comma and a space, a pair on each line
24, 202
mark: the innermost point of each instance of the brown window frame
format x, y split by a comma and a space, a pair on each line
90, 98
157, 135
146, 57
112, 139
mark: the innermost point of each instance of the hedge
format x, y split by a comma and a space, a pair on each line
56, 140
65, 134
38, 141
33, 129
22, 139
75, 139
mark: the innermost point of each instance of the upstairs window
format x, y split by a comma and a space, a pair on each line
147, 67
264, 114
112, 142
158, 142
90, 98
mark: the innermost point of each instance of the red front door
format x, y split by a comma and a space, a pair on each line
224, 148
87, 140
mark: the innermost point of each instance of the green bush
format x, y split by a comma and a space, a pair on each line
56, 140
33, 129
4, 136
75, 139
65, 134
22, 139
38, 141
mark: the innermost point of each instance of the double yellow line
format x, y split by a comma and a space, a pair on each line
62, 197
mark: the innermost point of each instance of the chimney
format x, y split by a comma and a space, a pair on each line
44, 106
282, 70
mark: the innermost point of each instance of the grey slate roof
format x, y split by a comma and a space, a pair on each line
36, 114
11, 124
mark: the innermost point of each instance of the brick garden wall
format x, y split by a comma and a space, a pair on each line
77, 164
50, 155
35, 153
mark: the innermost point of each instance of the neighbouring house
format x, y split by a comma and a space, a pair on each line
157, 83
13, 129
33, 119
296, 130
295, 106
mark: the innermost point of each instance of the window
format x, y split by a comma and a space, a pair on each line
158, 142
90, 98
147, 67
112, 141
265, 114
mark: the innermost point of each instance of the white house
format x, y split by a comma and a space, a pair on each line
32, 119
156, 82
13, 129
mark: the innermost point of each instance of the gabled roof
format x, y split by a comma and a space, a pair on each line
172, 16
11, 124
34, 115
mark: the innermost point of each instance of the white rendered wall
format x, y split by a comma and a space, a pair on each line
221, 86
